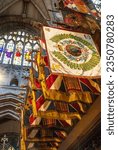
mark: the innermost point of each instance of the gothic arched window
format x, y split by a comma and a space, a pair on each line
18, 53
8, 52
16, 47
2, 45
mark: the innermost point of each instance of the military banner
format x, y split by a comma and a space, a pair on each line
85, 7
71, 53
77, 5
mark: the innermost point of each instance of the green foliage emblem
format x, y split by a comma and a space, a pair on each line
84, 65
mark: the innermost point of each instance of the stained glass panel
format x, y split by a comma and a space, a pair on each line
18, 54
27, 55
8, 52
34, 42
2, 45
19, 32
23, 33
18, 38
10, 37
36, 47
14, 38
23, 39
5, 36
15, 32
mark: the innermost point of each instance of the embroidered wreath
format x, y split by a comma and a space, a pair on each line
85, 66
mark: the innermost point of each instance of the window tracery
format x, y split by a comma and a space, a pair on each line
15, 48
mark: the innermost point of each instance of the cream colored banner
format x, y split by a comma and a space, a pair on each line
71, 53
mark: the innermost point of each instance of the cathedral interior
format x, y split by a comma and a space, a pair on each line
42, 108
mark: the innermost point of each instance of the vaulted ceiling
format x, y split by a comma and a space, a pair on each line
26, 14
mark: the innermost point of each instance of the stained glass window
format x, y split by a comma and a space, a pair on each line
15, 48
5, 36
36, 46
27, 54
8, 52
2, 45
10, 37
18, 54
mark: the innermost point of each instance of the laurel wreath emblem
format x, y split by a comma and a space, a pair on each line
94, 60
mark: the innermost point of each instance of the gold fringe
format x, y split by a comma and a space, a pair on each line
56, 115
55, 95
44, 139
95, 85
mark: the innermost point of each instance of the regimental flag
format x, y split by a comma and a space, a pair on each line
36, 83
90, 85
74, 19
63, 107
76, 5
72, 84
42, 105
92, 7
78, 107
82, 7
81, 84
52, 82
71, 53
93, 25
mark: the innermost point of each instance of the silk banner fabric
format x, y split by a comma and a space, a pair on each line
77, 19
77, 5
71, 53
82, 7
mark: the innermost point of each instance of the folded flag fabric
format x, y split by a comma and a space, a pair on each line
77, 5
94, 6
79, 20
52, 82
61, 134
61, 107
90, 85
87, 7
49, 122
72, 84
